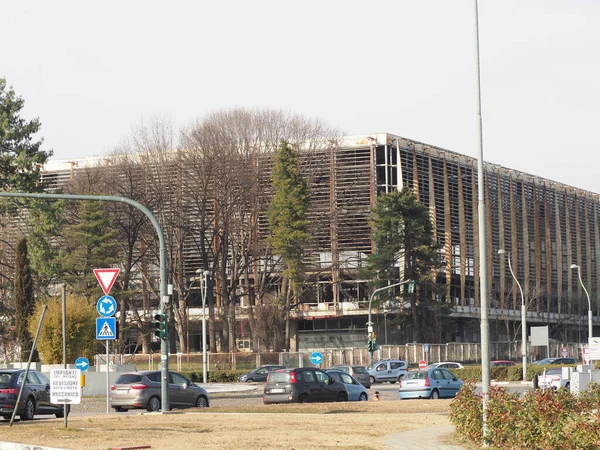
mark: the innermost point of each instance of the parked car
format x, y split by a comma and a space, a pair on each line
391, 370
142, 390
502, 363
358, 372
357, 392
553, 379
259, 374
35, 399
431, 383
303, 385
554, 361
446, 365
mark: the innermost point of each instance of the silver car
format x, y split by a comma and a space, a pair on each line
142, 390
391, 370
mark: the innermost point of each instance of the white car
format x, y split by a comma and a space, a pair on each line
553, 379
445, 365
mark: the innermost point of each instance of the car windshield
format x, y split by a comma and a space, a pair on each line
5, 379
542, 362
129, 378
279, 377
359, 369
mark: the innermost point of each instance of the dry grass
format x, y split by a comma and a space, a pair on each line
308, 426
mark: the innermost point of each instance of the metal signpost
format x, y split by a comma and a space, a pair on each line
106, 325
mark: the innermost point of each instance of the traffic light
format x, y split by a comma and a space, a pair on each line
370, 345
161, 325
411, 287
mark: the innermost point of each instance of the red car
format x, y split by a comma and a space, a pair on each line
502, 363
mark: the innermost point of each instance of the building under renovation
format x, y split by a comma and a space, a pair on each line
544, 226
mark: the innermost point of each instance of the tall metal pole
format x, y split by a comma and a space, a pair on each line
369, 323
204, 289
590, 316
164, 297
64, 323
485, 327
523, 314
66, 407
107, 379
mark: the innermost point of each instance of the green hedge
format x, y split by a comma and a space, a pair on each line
216, 376
540, 419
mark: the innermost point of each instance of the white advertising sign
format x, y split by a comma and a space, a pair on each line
65, 386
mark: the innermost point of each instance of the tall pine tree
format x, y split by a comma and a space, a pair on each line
20, 155
24, 299
288, 222
89, 244
403, 234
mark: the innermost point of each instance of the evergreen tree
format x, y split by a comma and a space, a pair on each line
23, 298
20, 156
403, 232
45, 225
89, 244
288, 221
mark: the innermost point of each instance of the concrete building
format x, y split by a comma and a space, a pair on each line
546, 227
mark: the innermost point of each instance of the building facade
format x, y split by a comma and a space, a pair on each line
544, 226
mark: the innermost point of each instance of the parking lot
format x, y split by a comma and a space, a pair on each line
238, 420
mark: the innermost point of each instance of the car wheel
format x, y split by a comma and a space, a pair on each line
29, 410
342, 397
435, 394
303, 398
372, 380
119, 409
249, 380
400, 378
363, 397
201, 402
153, 404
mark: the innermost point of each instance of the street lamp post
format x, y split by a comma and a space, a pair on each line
590, 332
203, 287
523, 313
369, 323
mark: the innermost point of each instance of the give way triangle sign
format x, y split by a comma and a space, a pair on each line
106, 278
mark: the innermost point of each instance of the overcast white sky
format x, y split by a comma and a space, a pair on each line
92, 70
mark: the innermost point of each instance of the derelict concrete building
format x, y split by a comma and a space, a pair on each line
545, 225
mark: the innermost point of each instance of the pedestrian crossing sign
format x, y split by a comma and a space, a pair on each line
106, 328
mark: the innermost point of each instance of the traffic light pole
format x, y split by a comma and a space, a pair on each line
369, 323
164, 297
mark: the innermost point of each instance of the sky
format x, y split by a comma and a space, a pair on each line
92, 71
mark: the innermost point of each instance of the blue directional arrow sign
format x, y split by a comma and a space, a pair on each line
82, 363
106, 328
316, 358
106, 306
